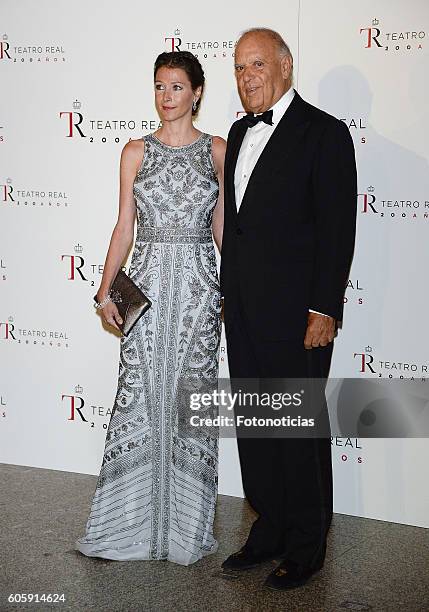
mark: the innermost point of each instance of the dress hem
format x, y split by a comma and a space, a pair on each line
115, 555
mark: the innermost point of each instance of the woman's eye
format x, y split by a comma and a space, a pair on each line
258, 64
177, 87
159, 87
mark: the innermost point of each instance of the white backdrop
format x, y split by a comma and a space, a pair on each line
75, 88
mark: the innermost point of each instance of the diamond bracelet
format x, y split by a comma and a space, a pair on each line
103, 302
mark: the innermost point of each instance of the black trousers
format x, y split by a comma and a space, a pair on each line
287, 481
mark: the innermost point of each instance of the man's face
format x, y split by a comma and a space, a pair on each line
262, 75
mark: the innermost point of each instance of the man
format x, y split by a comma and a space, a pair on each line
289, 231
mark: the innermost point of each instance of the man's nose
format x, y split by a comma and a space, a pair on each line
247, 73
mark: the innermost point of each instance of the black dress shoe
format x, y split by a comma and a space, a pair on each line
246, 559
289, 575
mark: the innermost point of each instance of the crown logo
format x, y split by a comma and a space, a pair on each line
177, 32
371, 189
368, 349
8, 181
78, 389
78, 248
375, 22
10, 319
76, 104
5, 37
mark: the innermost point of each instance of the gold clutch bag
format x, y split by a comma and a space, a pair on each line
130, 301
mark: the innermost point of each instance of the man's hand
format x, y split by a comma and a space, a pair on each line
320, 330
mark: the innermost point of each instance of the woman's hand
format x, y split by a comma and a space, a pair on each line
110, 314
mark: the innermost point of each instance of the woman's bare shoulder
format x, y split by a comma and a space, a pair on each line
219, 143
134, 147
133, 151
218, 151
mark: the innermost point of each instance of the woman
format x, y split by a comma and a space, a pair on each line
156, 493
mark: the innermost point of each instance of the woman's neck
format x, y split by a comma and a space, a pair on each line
177, 133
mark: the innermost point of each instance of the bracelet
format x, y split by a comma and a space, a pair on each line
103, 302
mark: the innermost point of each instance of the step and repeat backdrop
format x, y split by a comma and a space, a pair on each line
76, 85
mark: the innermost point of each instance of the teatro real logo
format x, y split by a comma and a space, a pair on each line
6, 191
32, 197
26, 335
29, 53
203, 49
367, 201
376, 37
78, 410
78, 269
384, 207
365, 361
76, 124
369, 365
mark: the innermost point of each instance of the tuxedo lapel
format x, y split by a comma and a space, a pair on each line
280, 146
233, 149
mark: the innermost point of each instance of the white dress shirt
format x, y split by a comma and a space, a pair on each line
252, 146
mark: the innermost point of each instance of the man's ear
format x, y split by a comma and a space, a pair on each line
286, 66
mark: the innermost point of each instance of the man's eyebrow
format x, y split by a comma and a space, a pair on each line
254, 59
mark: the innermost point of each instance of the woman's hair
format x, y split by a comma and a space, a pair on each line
187, 62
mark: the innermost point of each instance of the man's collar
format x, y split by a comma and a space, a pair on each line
280, 107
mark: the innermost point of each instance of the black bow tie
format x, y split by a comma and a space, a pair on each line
250, 119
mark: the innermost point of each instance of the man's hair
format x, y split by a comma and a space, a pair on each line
275, 36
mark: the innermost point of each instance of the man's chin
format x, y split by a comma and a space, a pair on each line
251, 104
253, 108
254, 105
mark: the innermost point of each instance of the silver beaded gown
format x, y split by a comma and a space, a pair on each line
156, 492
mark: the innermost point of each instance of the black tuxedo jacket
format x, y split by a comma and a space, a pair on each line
290, 246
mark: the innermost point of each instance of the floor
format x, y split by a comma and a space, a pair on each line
370, 565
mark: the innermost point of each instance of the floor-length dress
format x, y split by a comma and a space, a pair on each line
156, 493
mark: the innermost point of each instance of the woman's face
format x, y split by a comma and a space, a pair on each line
173, 93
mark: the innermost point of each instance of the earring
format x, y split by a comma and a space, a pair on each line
194, 105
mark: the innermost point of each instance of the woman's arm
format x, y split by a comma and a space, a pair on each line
218, 151
123, 232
